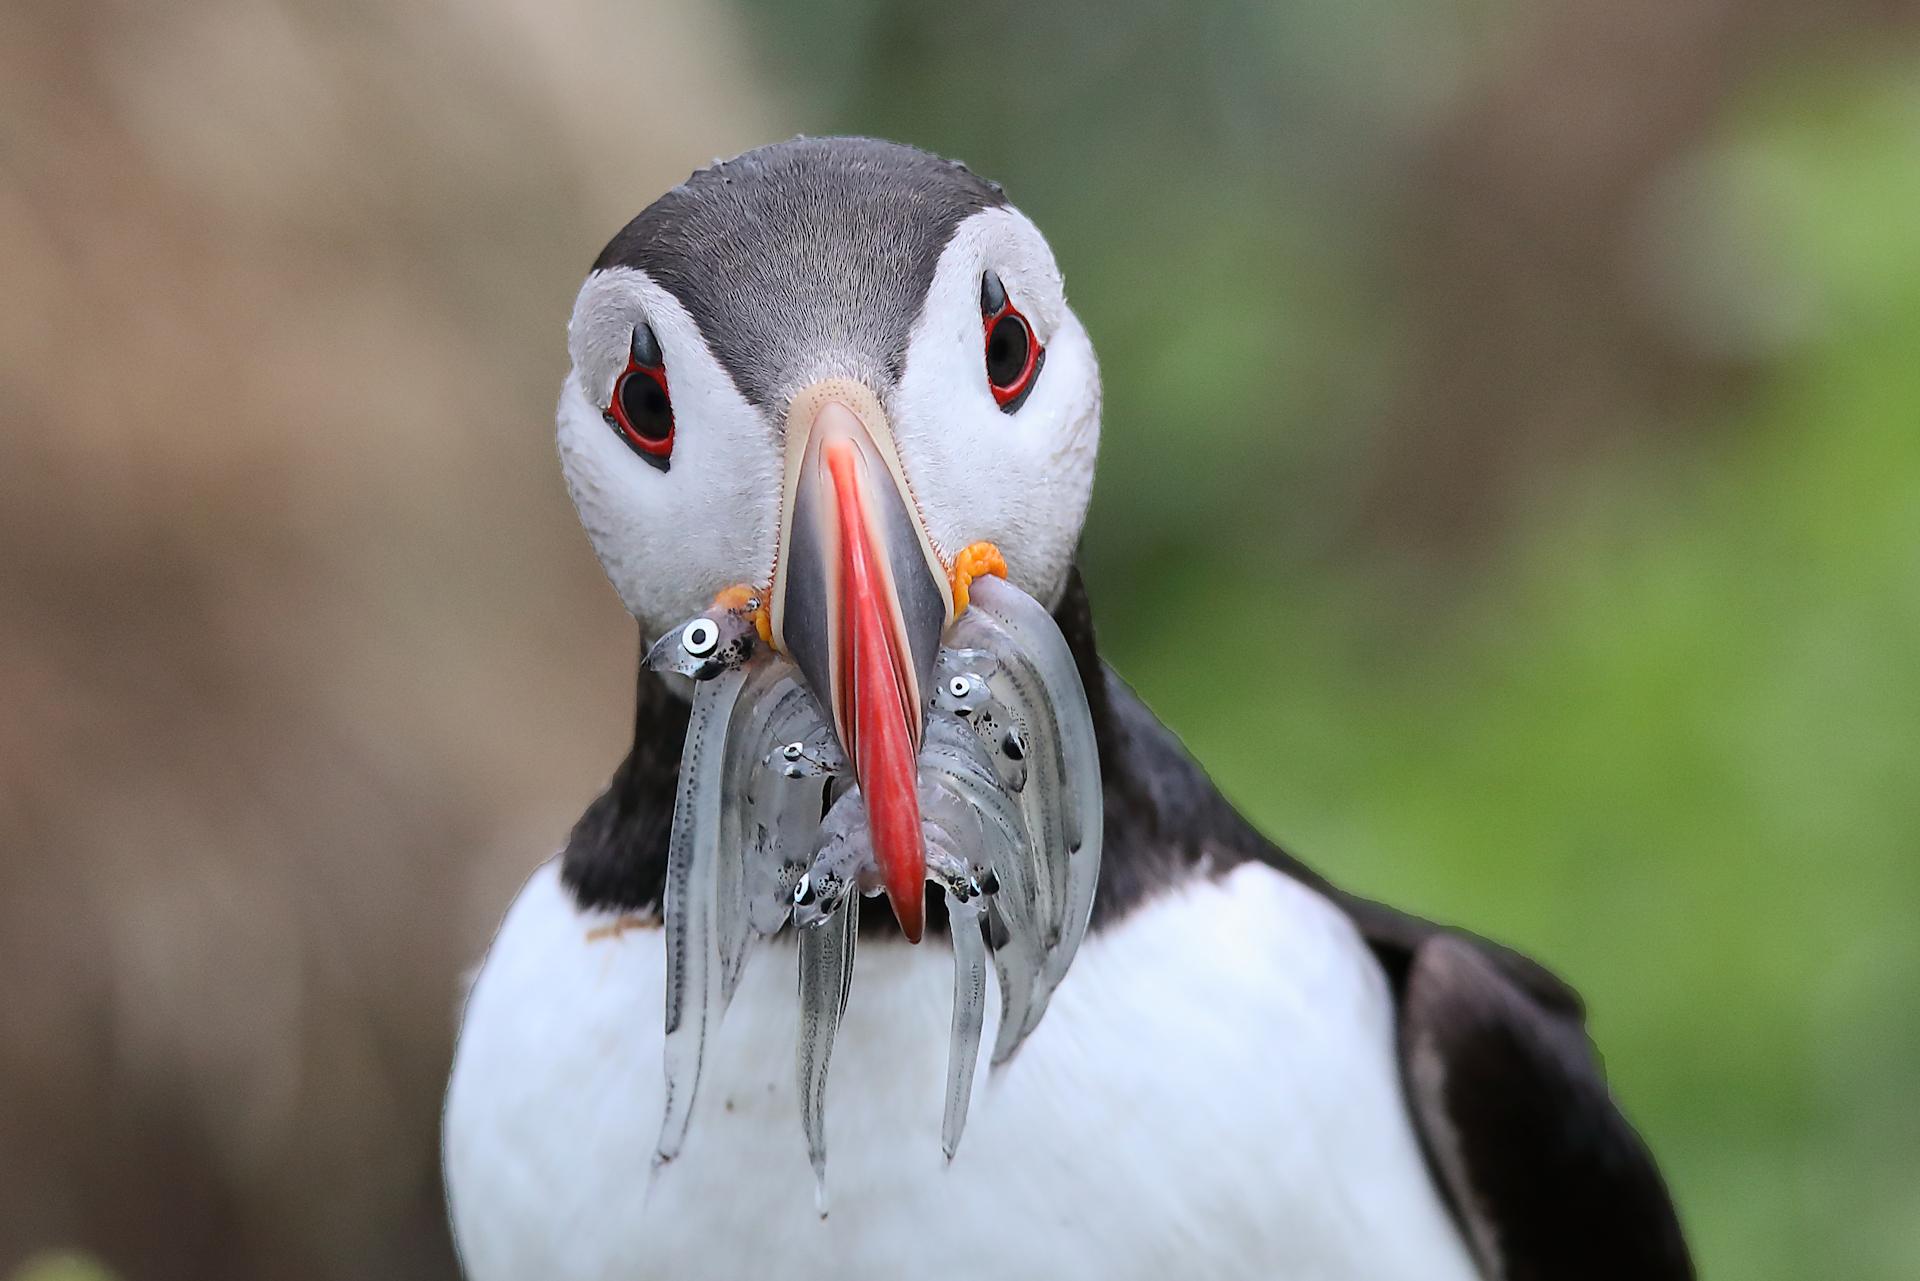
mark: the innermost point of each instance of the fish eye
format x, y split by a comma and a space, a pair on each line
803, 892
791, 751
701, 636
959, 686
1013, 746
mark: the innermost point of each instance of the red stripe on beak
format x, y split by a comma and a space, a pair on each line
878, 715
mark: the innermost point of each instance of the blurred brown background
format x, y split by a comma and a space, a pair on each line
1533, 365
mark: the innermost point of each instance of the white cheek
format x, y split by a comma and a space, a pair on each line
670, 540
1020, 480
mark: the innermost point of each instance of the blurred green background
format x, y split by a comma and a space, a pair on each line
1536, 387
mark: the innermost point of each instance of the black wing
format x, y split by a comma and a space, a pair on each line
1548, 1178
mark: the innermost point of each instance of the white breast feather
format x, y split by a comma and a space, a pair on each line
1213, 1093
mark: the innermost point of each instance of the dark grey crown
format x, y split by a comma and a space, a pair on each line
808, 250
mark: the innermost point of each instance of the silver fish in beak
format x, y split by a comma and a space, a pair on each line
975, 729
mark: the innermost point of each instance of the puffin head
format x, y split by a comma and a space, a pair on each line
842, 375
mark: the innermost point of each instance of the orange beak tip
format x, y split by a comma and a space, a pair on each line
911, 912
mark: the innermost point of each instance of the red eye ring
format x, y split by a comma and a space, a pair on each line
658, 446
641, 408
1013, 352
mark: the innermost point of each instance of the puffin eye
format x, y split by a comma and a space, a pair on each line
1014, 354
701, 636
641, 410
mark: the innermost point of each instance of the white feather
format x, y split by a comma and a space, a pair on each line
1020, 480
668, 539
1213, 1093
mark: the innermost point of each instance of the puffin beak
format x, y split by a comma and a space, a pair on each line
860, 599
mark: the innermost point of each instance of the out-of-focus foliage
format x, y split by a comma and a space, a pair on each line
60, 1267
1511, 490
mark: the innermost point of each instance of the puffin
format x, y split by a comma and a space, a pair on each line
1245, 1072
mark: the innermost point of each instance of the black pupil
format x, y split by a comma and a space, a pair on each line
1006, 351
646, 406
